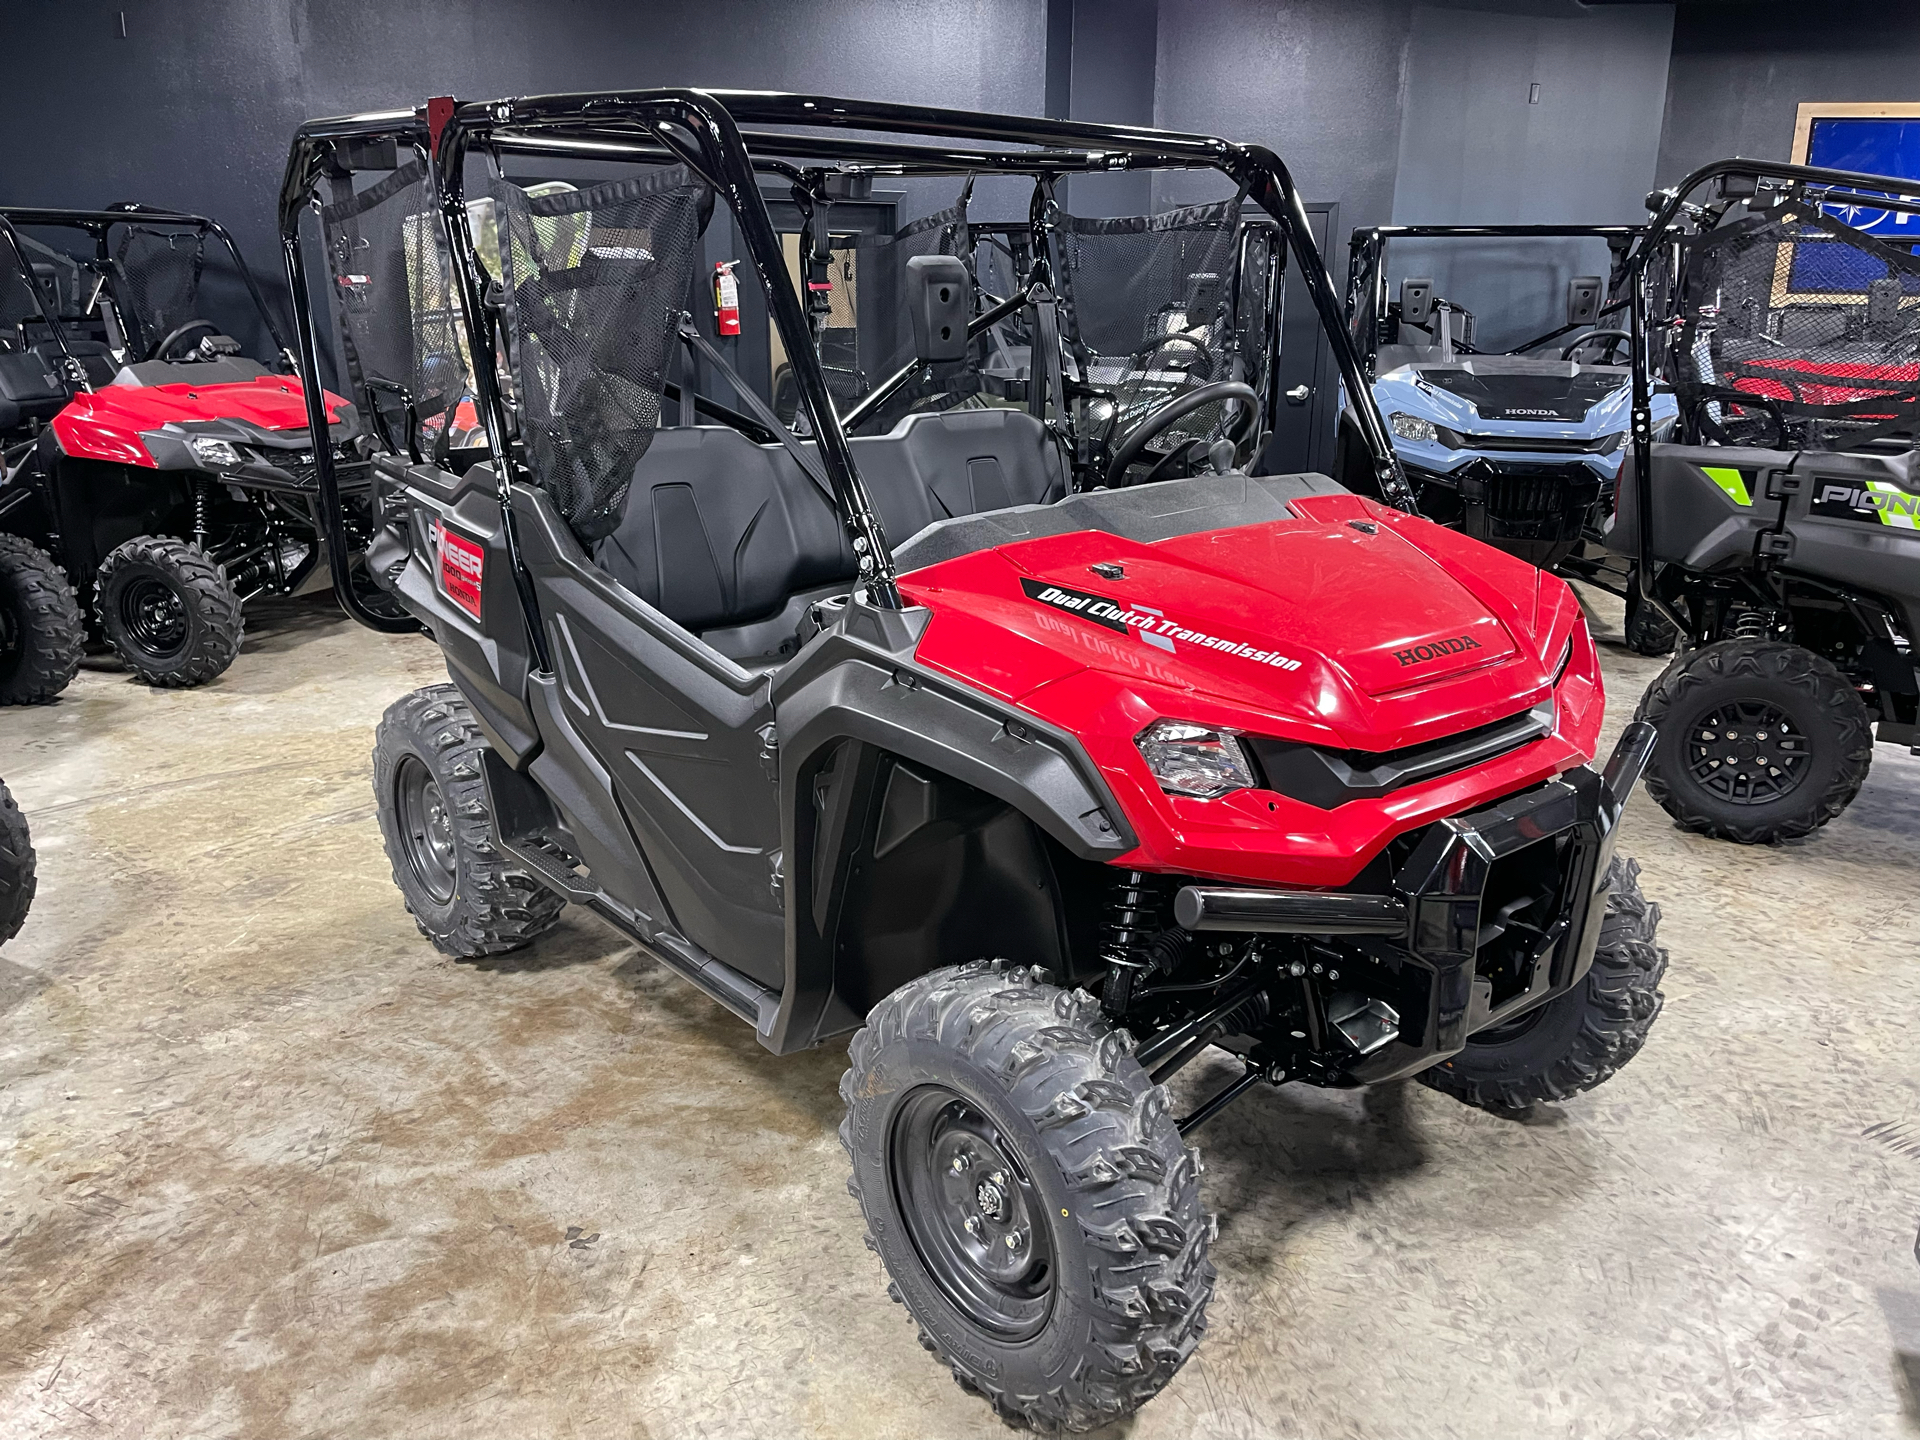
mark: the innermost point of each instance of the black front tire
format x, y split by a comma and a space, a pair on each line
1760, 741
166, 608
42, 635
16, 867
1062, 1272
1578, 1039
460, 888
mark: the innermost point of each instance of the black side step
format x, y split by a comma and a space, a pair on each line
742, 994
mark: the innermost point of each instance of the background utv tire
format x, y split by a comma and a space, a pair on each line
1810, 764
460, 889
16, 867
1580, 1039
42, 634
984, 1105
168, 612
1648, 632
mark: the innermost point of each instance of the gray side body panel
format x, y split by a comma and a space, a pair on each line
1699, 525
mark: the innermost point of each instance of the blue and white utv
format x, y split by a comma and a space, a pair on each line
1522, 448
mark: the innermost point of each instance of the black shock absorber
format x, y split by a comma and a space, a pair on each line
200, 512
1132, 920
1750, 624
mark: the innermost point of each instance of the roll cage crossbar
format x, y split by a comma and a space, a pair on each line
701, 129
1669, 207
1367, 270
97, 223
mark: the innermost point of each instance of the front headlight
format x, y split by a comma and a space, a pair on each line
212, 453
1193, 760
1412, 427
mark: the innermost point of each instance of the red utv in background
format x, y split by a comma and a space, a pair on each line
153, 479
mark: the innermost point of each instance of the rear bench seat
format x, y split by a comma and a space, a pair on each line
720, 533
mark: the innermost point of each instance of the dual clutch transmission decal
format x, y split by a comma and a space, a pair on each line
1145, 624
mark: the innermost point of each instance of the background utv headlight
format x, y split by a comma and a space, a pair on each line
1412, 427
212, 453
1193, 760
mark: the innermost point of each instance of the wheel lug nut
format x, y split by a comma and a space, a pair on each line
960, 1164
1014, 1239
972, 1225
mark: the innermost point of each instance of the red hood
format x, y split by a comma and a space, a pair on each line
107, 423
273, 402
1351, 621
1370, 637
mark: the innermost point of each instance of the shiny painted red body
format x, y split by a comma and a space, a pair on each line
106, 424
1379, 630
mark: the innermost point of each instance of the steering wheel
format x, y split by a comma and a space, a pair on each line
1612, 337
1164, 416
175, 335
1201, 365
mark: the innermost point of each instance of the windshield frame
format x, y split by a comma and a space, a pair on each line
702, 129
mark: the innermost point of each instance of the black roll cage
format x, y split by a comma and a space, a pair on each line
96, 223
1814, 183
701, 129
1367, 269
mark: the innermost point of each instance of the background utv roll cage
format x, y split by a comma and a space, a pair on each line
1739, 180
1367, 270
97, 223
700, 129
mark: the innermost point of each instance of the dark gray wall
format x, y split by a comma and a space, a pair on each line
1742, 67
195, 107
1479, 145
1317, 80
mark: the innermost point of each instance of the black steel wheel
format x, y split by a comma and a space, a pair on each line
461, 888
166, 608
1747, 752
41, 633
1025, 1185
972, 1212
1760, 741
426, 832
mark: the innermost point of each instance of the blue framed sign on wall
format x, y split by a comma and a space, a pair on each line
1877, 139
1874, 139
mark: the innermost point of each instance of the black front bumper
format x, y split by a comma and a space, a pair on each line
1490, 915
1445, 883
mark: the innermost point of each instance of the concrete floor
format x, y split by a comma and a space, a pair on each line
271, 1166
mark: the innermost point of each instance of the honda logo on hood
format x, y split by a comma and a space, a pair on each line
1435, 649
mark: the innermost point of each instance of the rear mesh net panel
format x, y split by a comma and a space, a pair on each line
1820, 320
1150, 303
158, 273
595, 282
392, 288
885, 330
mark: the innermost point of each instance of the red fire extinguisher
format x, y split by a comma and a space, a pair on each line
726, 298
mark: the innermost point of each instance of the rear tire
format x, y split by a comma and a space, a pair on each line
1579, 1039
1648, 632
459, 887
986, 1106
1791, 741
42, 635
168, 612
16, 867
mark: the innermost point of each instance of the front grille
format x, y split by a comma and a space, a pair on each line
1330, 778
1535, 445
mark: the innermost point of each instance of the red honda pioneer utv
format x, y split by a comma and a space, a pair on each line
1777, 524
1038, 786
151, 476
